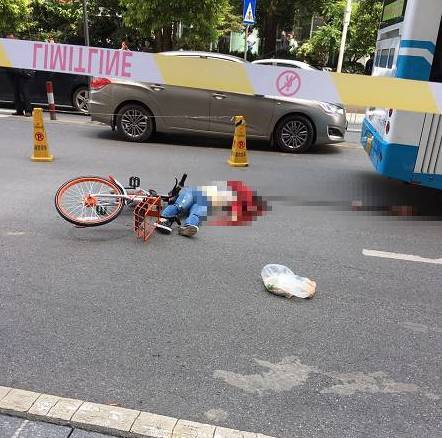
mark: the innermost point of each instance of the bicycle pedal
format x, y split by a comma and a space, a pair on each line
101, 211
134, 182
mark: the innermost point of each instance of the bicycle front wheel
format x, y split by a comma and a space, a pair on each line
89, 201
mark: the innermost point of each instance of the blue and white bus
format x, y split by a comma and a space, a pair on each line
404, 145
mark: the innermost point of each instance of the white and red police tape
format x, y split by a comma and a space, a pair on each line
243, 78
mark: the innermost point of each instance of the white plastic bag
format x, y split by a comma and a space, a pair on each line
280, 280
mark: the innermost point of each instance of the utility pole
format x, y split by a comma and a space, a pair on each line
312, 24
347, 17
245, 42
86, 24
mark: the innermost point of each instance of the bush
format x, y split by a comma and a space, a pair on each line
353, 67
250, 56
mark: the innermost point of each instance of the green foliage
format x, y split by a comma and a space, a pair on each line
361, 37
325, 39
63, 21
277, 15
53, 19
199, 35
106, 24
364, 29
13, 15
203, 21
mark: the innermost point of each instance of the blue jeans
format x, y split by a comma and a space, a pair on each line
190, 202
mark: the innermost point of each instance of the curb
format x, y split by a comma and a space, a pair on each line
111, 420
75, 120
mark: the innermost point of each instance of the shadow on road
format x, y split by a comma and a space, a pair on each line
373, 194
213, 142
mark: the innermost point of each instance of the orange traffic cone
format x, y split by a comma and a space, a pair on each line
41, 148
238, 157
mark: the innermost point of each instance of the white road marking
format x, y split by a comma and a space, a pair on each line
396, 256
20, 429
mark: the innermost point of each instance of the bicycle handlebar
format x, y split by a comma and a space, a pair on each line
176, 189
183, 180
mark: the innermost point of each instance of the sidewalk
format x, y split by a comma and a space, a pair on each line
13, 427
69, 414
64, 117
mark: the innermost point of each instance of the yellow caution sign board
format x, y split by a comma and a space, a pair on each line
238, 157
41, 147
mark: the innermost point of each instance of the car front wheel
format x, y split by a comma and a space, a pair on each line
135, 123
294, 134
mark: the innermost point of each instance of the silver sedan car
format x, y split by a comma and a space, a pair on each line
137, 110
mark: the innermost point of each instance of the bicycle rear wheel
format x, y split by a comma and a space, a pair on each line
89, 201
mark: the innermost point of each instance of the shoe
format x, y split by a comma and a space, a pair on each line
188, 230
164, 225
17, 113
28, 114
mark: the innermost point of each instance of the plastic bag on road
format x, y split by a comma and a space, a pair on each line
280, 280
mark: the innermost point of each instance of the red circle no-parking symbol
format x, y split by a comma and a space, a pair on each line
39, 136
288, 83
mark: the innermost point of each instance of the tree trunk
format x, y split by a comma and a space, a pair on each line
158, 41
269, 34
167, 38
163, 39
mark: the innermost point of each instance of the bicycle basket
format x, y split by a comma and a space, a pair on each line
146, 215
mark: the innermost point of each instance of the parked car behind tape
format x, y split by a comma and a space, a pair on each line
69, 90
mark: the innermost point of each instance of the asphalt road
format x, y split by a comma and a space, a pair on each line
185, 327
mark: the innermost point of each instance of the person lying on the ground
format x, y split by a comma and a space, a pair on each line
232, 204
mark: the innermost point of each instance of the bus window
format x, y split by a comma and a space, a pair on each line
393, 12
378, 58
384, 58
391, 58
436, 70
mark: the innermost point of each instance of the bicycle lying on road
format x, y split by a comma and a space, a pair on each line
91, 201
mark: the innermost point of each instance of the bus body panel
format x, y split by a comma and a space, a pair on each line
419, 34
405, 145
429, 160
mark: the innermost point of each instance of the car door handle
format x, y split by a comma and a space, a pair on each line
157, 87
219, 96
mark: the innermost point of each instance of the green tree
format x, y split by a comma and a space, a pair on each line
364, 29
199, 36
273, 16
203, 21
106, 24
54, 19
63, 21
13, 15
324, 45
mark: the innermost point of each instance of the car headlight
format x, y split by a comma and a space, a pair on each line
331, 109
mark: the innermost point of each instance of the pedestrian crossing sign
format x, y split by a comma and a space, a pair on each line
249, 12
